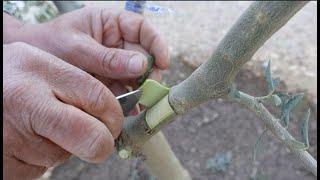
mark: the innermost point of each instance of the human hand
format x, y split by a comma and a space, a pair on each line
107, 43
52, 109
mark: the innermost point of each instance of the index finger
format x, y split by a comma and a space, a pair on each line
136, 29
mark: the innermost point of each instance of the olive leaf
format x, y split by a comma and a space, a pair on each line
297, 145
269, 78
257, 144
276, 100
294, 100
288, 106
234, 92
276, 82
285, 119
151, 61
272, 83
304, 128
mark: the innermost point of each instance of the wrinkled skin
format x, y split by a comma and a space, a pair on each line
60, 86
104, 42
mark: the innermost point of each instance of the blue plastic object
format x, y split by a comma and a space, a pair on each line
135, 6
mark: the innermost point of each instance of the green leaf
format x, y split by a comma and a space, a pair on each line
151, 61
234, 92
283, 96
293, 101
297, 145
276, 100
304, 128
276, 82
152, 92
285, 118
288, 106
257, 144
269, 78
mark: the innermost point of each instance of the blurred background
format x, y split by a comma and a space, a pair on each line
220, 129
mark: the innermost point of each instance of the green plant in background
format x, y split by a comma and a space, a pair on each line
32, 11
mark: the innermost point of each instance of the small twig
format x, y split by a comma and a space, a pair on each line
264, 98
273, 124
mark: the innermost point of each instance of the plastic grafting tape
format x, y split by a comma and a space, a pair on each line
155, 97
159, 113
152, 92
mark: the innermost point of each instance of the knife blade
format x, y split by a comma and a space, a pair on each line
129, 100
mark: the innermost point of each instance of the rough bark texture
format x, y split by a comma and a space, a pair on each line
214, 77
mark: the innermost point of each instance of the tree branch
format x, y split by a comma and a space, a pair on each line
273, 124
214, 77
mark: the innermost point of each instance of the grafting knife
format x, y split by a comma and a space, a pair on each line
129, 100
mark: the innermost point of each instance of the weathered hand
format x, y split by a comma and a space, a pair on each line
103, 42
51, 110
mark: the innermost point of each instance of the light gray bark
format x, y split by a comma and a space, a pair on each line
214, 77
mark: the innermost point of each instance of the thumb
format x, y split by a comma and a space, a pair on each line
111, 62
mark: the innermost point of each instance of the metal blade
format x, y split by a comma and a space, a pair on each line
129, 100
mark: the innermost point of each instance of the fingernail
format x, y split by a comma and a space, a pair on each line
136, 64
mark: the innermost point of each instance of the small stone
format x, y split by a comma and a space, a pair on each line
219, 100
193, 149
206, 120
124, 154
192, 130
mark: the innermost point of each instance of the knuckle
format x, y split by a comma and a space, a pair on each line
60, 157
108, 59
44, 122
116, 130
28, 56
77, 43
39, 171
116, 124
13, 91
67, 75
35, 172
19, 102
97, 98
100, 146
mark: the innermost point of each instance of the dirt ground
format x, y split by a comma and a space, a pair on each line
214, 127
221, 126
